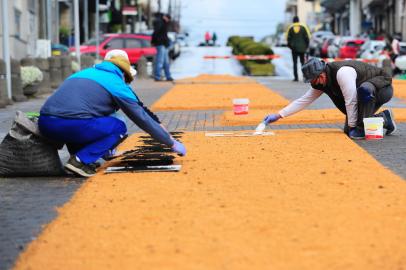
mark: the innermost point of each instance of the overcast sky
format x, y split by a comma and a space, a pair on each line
256, 18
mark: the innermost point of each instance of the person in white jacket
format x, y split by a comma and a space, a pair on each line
357, 89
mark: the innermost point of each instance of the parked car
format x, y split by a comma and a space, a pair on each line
136, 45
334, 47
324, 48
316, 41
402, 48
182, 40
281, 40
59, 49
350, 47
174, 47
371, 49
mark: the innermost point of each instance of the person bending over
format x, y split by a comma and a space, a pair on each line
79, 113
357, 89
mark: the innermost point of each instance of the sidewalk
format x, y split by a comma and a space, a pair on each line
29, 204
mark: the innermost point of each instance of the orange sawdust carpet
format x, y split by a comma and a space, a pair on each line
303, 199
209, 78
212, 96
399, 89
325, 116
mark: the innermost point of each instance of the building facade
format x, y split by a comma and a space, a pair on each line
354, 17
308, 11
23, 28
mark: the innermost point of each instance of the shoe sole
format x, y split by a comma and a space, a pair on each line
393, 122
77, 170
357, 138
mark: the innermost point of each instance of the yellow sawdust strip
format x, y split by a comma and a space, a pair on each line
211, 97
297, 200
324, 116
209, 78
399, 89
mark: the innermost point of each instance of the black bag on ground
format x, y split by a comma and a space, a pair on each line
24, 152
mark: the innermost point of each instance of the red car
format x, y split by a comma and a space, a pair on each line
349, 48
135, 45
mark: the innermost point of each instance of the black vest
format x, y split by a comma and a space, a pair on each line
365, 72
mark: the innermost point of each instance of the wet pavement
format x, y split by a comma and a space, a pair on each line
27, 204
191, 63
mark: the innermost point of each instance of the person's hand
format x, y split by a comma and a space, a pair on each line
179, 148
356, 133
364, 94
270, 118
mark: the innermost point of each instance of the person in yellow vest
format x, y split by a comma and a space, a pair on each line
298, 37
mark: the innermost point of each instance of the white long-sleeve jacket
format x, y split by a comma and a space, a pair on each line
346, 78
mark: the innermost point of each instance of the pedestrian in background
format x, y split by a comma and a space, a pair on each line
207, 38
80, 113
357, 89
161, 41
298, 37
214, 38
395, 44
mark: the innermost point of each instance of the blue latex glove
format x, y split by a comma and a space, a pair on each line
364, 94
270, 118
356, 133
179, 148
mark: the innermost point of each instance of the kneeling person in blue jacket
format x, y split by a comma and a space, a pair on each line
78, 113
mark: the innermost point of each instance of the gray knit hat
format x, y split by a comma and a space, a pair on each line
312, 68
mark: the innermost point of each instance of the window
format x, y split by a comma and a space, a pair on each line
132, 43
116, 43
31, 6
92, 41
17, 22
146, 43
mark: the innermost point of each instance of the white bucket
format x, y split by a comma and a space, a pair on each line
373, 127
240, 105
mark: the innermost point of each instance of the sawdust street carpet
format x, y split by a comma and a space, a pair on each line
325, 116
302, 199
399, 89
218, 96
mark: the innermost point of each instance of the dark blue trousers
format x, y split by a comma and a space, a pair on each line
89, 139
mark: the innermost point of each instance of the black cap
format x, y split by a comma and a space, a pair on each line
312, 69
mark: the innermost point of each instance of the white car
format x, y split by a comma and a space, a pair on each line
371, 49
281, 40
174, 47
182, 40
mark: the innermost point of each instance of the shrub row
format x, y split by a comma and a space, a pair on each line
247, 46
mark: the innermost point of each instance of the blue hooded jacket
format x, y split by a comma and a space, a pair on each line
100, 91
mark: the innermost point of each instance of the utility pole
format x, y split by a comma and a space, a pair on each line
86, 19
77, 31
97, 29
123, 22
149, 13
170, 8
6, 47
49, 20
